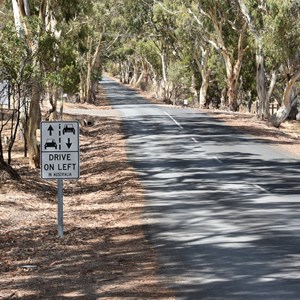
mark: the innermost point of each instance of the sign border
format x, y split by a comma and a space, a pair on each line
57, 151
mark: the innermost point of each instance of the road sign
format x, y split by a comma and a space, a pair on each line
60, 150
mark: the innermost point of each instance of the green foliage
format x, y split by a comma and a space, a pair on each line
218, 73
70, 79
68, 10
14, 55
282, 36
179, 74
141, 33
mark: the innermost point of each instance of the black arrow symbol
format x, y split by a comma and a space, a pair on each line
50, 129
69, 144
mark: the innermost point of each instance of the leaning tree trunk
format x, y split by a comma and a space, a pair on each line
284, 111
4, 167
33, 125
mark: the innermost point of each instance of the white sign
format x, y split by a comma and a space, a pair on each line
60, 150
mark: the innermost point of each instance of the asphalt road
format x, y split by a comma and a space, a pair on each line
222, 208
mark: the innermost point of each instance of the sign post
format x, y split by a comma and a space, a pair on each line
60, 210
60, 157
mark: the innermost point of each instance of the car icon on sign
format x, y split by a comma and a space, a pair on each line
69, 128
50, 143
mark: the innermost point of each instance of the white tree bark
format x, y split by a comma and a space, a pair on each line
17, 18
232, 65
286, 106
261, 86
205, 73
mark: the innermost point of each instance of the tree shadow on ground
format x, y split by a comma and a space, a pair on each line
103, 253
225, 222
222, 207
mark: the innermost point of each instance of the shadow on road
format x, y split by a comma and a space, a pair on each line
226, 222
222, 207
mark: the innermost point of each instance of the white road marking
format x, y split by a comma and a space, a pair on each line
139, 138
218, 160
173, 120
261, 188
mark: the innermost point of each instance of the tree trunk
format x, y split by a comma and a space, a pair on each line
82, 89
232, 92
125, 72
263, 110
138, 83
52, 113
17, 18
224, 102
8, 170
33, 125
271, 89
88, 86
165, 83
88, 75
233, 76
284, 111
135, 77
203, 90
92, 59
261, 85
205, 73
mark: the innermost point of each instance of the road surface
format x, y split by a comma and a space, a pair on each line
222, 208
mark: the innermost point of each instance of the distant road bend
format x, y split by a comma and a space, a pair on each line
222, 208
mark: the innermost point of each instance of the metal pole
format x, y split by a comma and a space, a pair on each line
60, 194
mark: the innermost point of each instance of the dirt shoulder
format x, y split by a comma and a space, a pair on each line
104, 253
286, 138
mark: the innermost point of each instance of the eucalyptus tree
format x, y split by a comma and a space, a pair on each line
163, 26
194, 46
281, 43
29, 31
192, 49
94, 32
39, 24
224, 27
13, 73
276, 41
254, 12
155, 29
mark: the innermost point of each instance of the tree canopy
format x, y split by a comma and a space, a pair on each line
236, 55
